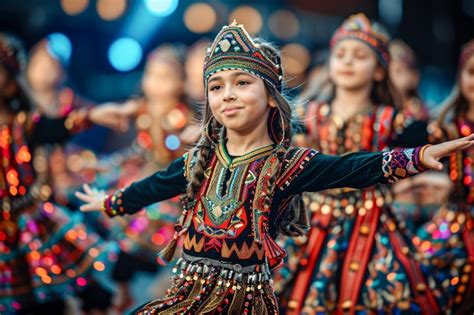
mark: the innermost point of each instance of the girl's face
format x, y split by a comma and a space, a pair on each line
44, 72
467, 80
403, 77
238, 100
161, 80
353, 65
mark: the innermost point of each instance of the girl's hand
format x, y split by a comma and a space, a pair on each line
191, 134
434, 153
92, 197
110, 115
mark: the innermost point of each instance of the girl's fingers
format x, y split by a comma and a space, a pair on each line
437, 165
469, 138
460, 145
87, 189
83, 196
88, 207
446, 148
432, 163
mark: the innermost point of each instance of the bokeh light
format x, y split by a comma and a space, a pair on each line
161, 8
200, 18
284, 24
111, 9
249, 17
172, 142
296, 58
125, 54
74, 7
60, 47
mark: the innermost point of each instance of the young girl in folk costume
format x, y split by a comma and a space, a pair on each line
161, 117
45, 75
448, 239
355, 256
239, 183
415, 200
44, 251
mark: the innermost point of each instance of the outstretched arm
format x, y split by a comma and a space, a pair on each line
360, 170
45, 130
157, 187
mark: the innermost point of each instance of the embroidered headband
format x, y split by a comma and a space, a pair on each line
399, 50
467, 51
373, 34
234, 49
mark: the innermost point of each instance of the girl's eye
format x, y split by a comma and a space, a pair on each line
243, 82
361, 55
214, 88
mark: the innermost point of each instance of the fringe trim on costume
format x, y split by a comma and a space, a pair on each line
167, 253
273, 251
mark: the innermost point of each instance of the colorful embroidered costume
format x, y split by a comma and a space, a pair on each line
228, 235
45, 251
447, 241
355, 257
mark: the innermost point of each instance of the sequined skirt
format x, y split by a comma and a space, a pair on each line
206, 286
45, 253
447, 243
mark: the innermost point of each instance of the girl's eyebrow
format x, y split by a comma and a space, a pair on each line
214, 79
238, 73
235, 74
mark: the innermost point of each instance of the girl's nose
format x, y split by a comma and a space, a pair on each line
348, 58
229, 94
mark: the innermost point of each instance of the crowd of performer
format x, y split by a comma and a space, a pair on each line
353, 198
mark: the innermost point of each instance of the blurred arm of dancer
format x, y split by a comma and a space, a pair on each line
114, 115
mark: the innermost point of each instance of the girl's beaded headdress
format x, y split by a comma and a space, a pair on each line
373, 34
234, 49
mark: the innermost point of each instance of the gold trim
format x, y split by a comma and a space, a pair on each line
247, 158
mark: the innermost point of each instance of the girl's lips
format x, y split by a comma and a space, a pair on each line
231, 110
346, 72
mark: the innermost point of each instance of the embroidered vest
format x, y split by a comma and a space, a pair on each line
230, 221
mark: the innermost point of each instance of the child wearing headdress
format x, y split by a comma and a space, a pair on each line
357, 255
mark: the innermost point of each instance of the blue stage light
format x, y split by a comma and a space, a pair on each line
161, 8
172, 142
125, 54
60, 47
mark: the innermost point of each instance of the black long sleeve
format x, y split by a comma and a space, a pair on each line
160, 186
356, 170
49, 131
